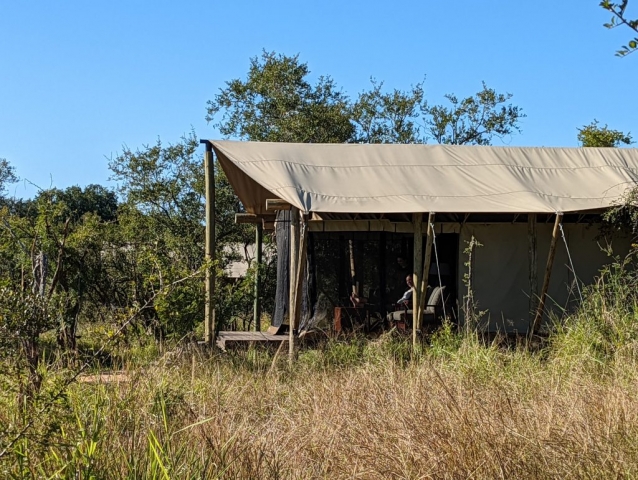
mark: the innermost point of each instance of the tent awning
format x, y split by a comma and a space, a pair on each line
355, 178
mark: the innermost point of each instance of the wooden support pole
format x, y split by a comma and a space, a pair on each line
301, 270
259, 235
427, 261
292, 297
417, 222
209, 306
548, 272
533, 264
274, 204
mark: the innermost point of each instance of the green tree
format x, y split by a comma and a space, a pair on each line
49, 267
79, 201
593, 135
74, 224
161, 221
619, 11
72, 230
277, 103
160, 225
381, 117
7, 175
474, 120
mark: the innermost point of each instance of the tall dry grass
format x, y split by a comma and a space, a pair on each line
357, 409
467, 411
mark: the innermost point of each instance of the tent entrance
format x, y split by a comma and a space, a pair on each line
375, 265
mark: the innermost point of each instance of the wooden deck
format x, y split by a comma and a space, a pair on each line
226, 339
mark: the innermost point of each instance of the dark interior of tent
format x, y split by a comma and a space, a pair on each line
374, 264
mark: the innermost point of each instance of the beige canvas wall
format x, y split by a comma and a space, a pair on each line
501, 271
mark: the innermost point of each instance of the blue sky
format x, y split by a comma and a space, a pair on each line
81, 79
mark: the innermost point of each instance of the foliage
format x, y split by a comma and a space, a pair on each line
161, 230
620, 18
624, 215
277, 103
55, 267
161, 222
605, 328
89, 274
474, 120
31, 301
7, 175
593, 135
388, 117
162, 192
79, 201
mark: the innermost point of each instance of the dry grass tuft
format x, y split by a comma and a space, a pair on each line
356, 409
472, 411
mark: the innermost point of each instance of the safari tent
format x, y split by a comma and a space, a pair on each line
536, 213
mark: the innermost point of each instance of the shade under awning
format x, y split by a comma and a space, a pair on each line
356, 178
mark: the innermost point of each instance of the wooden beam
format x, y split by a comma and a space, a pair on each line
268, 226
292, 296
548, 272
259, 235
427, 261
417, 223
209, 306
252, 218
274, 204
533, 264
246, 218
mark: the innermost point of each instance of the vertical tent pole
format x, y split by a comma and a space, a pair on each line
548, 272
533, 265
301, 274
259, 234
417, 221
292, 299
209, 308
426, 265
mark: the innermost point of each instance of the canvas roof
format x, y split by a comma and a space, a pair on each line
356, 178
